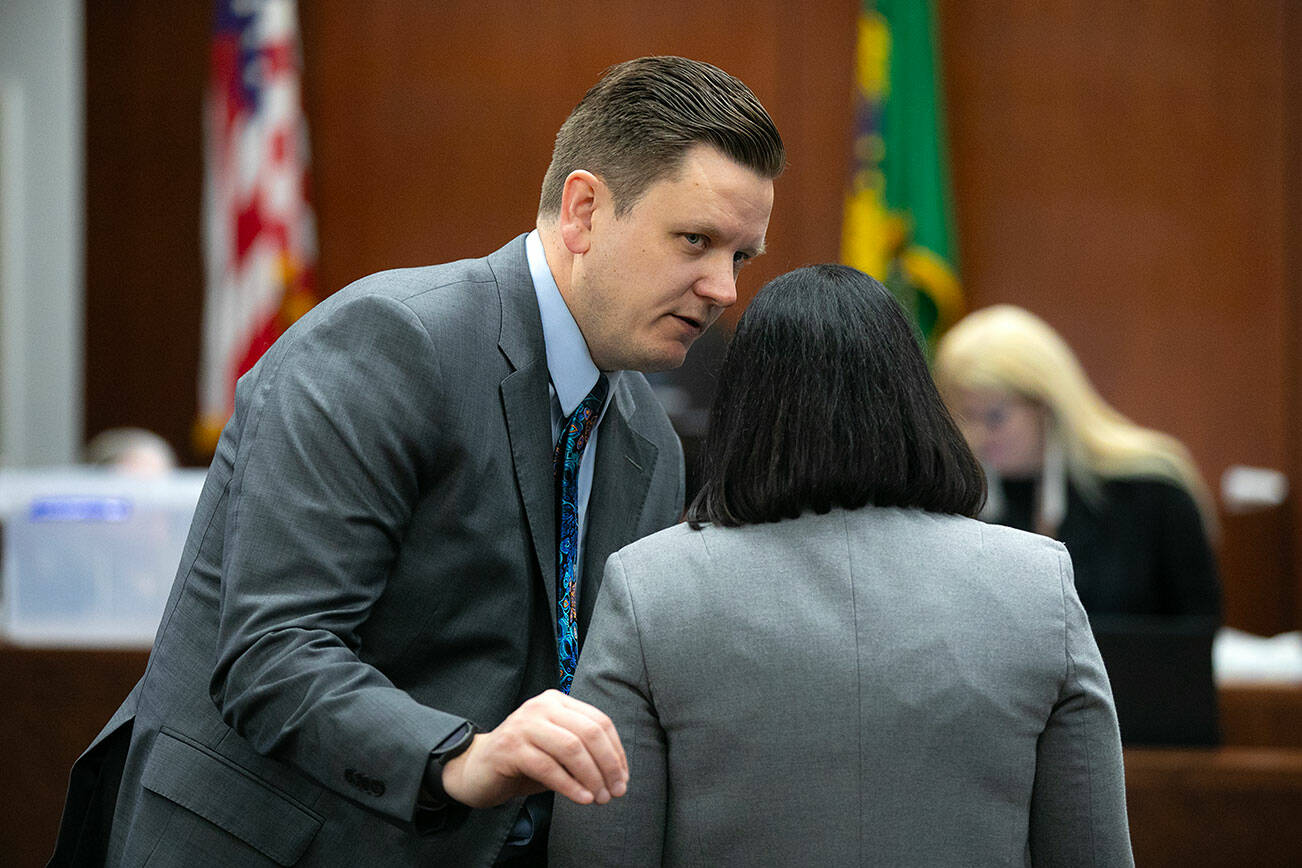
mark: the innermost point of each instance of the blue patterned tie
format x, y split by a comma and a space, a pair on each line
569, 453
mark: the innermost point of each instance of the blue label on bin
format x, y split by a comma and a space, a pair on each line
80, 509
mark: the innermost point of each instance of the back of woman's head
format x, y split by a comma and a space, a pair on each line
825, 401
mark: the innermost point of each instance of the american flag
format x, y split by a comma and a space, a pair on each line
259, 231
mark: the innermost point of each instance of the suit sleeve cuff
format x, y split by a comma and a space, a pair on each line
436, 811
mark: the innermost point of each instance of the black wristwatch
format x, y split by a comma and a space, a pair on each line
453, 746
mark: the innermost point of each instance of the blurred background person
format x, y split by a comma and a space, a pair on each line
831, 663
131, 450
1127, 501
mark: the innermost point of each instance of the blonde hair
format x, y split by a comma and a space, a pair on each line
1005, 348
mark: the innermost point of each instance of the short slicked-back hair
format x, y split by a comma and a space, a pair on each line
635, 125
825, 401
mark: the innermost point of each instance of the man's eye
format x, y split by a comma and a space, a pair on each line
740, 258
694, 239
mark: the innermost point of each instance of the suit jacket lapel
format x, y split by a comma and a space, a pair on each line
525, 400
622, 478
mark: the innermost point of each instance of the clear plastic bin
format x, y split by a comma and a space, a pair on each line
89, 555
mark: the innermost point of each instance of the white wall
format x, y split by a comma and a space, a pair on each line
42, 230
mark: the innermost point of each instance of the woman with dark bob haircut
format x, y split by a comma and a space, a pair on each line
832, 662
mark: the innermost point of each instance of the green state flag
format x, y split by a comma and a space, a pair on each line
898, 220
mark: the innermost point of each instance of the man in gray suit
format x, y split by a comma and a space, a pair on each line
355, 662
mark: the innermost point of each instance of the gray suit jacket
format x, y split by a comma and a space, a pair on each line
876, 687
372, 562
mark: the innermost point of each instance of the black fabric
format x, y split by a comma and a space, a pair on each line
527, 843
1139, 550
1160, 671
92, 797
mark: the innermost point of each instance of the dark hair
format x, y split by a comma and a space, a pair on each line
825, 400
635, 124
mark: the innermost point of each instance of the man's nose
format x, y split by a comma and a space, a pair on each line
719, 284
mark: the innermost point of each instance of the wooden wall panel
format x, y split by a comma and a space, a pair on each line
64, 697
146, 64
1293, 287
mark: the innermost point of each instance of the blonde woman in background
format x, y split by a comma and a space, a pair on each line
1126, 501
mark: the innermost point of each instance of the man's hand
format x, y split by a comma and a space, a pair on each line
552, 742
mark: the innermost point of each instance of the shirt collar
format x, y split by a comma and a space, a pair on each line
572, 371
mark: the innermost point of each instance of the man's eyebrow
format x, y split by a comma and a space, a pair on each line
712, 231
709, 230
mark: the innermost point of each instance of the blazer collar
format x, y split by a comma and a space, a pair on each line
520, 336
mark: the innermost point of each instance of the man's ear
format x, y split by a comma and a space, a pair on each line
578, 201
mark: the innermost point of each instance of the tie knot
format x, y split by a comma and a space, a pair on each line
589, 408
578, 427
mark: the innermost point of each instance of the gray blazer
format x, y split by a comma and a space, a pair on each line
877, 687
372, 562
